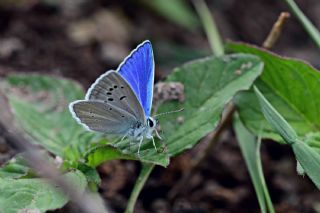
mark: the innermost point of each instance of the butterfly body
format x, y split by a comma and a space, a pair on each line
139, 130
119, 102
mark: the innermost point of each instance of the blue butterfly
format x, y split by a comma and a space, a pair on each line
119, 102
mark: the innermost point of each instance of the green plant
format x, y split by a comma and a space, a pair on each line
48, 122
270, 109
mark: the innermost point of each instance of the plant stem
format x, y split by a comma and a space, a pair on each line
210, 27
309, 27
143, 176
275, 31
263, 181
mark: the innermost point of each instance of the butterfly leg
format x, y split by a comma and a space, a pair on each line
157, 134
124, 137
118, 142
154, 144
140, 145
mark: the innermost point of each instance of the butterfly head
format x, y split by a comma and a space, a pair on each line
151, 122
152, 127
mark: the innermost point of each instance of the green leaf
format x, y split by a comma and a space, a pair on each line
275, 119
290, 85
40, 105
35, 194
91, 174
313, 140
98, 155
129, 150
308, 158
125, 150
249, 149
208, 85
15, 168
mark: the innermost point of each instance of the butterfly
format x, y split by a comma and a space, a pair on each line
119, 102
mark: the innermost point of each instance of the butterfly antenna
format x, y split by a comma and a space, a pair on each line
166, 113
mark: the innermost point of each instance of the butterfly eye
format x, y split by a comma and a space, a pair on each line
150, 123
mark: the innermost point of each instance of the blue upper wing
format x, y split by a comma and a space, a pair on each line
138, 70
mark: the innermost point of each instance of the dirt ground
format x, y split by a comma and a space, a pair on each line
81, 39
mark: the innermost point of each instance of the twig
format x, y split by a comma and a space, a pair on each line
36, 161
275, 31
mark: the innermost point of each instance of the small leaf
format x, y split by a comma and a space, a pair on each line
275, 119
313, 140
250, 148
248, 145
90, 173
308, 158
129, 150
21, 194
208, 85
98, 155
290, 85
125, 151
15, 168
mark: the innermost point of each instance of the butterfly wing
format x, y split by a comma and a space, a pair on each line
138, 70
110, 107
113, 89
102, 117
